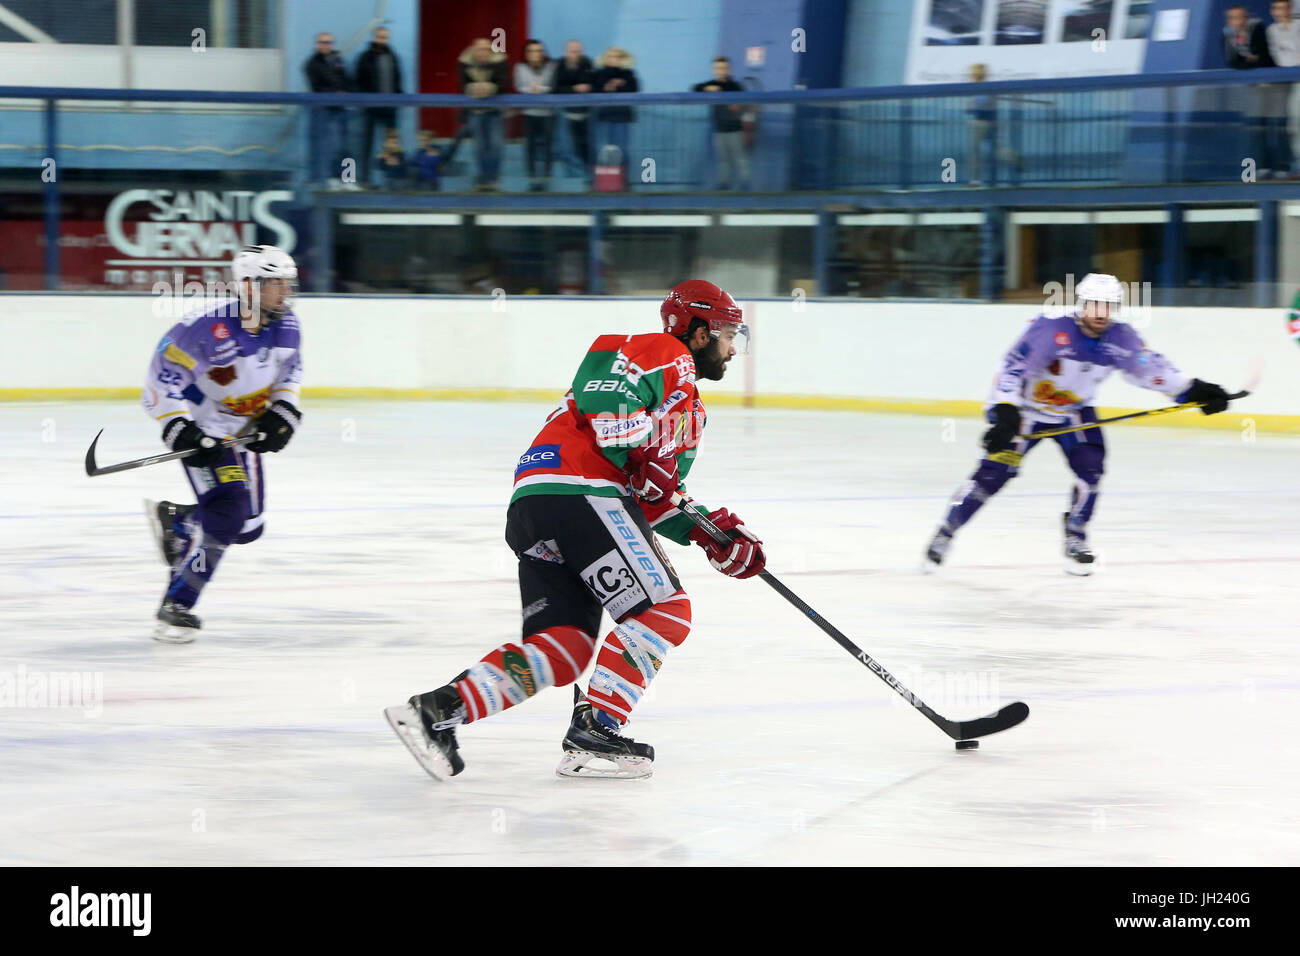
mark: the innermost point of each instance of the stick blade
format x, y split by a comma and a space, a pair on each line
91, 469
1006, 718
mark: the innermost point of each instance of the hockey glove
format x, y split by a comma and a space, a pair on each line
743, 557
652, 470
277, 425
1212, 397
1006, 427
181, 434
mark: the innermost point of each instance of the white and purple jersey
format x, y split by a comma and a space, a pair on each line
1053, 369
208, 368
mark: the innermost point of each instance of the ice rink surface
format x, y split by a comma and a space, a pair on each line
1163, 690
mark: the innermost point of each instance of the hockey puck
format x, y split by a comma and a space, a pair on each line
968, 744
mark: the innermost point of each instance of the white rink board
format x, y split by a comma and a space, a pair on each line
1162, 690
851, 349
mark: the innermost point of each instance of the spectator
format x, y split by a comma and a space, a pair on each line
392, 164
614, 75
537, 75
1245, 42
1284, 50
378, 71
328, 125
482, 75
728, 130
574, 74
427, 162
983, 115
1245, 47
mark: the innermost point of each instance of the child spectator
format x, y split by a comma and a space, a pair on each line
392, 164
427, 161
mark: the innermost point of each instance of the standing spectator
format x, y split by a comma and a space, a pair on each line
1245, 47
615, 75
574, 74
1284, 50
427, 162
482, 75
377, 72
327, 125
728, 130
983, 115
537, 75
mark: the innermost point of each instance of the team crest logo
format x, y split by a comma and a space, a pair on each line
1062, 338
223, 375
221, 331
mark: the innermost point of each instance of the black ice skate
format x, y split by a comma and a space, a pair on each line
176, 624
589, 739
1079, 558
162, 517
936, 550
427, 725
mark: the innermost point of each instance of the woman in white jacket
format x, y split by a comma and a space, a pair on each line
537, 75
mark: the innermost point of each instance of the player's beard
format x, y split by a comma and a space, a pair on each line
710, 363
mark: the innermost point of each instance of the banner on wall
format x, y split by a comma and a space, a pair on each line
147, 236
1026, 39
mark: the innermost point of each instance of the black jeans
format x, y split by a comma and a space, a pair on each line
539, 132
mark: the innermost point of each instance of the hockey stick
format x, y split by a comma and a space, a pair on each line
95, 471
1123, 418
1004, 719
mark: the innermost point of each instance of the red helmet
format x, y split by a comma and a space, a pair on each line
700, 299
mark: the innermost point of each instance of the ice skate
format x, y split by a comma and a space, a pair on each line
427, 725
936, 551
162, 517
1079, 558
592, 738
176, 624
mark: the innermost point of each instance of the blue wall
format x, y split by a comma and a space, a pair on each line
591, 22
876, 42
671, 41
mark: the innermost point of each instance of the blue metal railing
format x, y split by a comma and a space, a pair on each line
1122, 131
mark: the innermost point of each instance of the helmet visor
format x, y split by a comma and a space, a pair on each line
734, 335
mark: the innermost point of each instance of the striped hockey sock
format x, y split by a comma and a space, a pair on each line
633, 653
514, 672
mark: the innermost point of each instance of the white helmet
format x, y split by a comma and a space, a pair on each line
1099, 287
265, 262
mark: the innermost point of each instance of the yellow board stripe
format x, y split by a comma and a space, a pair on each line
1232, 420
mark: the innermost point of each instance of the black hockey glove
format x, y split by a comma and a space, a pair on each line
181, 434
1006, 426
277, 425
1212, 397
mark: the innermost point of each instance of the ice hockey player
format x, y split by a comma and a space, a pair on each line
1048, 380
587, 493
229, 369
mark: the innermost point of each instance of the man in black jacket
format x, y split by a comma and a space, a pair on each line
377, 72
728, 132
574, 74
328, 125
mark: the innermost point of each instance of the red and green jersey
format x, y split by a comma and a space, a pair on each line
628, 390
1293, 318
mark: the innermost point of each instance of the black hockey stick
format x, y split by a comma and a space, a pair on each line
95, 471
1004, 719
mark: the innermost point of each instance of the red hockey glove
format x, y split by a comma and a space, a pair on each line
743, 557
652, 470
